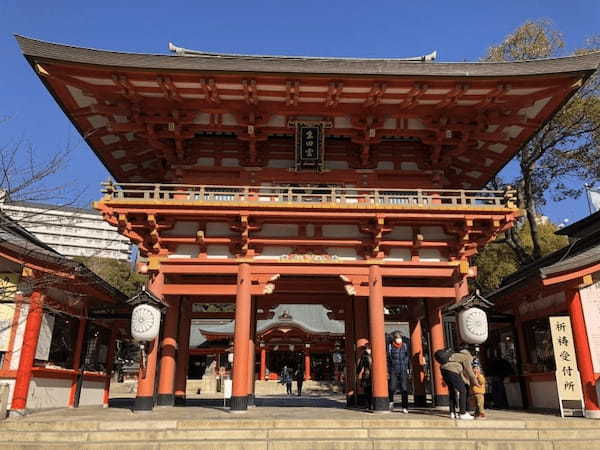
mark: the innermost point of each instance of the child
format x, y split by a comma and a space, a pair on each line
479, 392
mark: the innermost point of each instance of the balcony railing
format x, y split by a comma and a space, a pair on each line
309, 194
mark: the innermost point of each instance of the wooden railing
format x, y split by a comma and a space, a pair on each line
309, 194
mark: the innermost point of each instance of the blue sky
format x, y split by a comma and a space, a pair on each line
458, 30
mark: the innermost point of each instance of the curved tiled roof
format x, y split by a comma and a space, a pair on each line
304, 65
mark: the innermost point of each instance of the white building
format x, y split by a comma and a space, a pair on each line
70, 231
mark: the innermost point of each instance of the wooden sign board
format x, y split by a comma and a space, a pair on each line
568, 383
310, 141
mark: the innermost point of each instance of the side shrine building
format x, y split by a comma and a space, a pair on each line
258, 181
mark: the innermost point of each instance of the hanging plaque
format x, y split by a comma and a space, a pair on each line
309, 145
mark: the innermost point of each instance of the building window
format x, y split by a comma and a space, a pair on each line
64, 335
97, 348
538, 342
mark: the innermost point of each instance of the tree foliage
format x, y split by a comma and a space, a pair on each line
115, 272
566, 149
497, 260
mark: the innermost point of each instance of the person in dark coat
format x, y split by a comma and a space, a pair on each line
299, 377
363, 374
286, 378
398, 364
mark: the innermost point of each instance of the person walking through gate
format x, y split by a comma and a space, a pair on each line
299, 377
363, 374
397, 358
457, 371
286, 378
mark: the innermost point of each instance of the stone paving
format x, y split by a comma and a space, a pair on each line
315, 407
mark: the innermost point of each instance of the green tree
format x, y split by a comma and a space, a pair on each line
115, 272
497, 260
565, 149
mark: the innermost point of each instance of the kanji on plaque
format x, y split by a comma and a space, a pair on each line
568, 382
309, 145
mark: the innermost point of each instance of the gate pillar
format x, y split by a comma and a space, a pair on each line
377, 339
436, 329
239, 397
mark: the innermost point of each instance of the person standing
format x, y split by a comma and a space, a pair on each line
398, 363
479, 391
299, 376
286, 378
363, 374
457, 372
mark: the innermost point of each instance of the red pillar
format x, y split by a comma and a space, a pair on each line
263, 362
239, 397
252, 353
183, 357
417, 361
77, 359
307, 375
110, 357
436, 330
166, 381
377, 338
350, 354
584, 356
28, 349
144, 400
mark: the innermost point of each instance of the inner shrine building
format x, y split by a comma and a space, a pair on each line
258, 181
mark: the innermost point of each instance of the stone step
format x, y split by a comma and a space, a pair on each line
133, 424
322, 444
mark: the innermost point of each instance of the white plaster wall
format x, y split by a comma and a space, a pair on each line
433, 233
277, 230
400, 234
11, 389
398, 254
280, 163
409, 165
274, 252
215, 229
341, 231
181, 228
385, 165
513, 395
431, 255
92, 393
218, 251
339, 165
544, 394
343, 253
185, 251
18, 343
48, 393
230, 162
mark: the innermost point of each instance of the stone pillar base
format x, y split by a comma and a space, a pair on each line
592, 414
239, 404
165, 400
420, 400
441, 400
143, 404
381, 404
179, 400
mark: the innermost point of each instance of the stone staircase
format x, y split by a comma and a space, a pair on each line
375, 432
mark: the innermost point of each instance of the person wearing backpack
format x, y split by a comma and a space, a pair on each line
398, 363
456, 373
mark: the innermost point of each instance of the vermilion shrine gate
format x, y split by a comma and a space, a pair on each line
377, 201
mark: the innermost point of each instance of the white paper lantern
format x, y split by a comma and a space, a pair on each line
145, 322
473, 325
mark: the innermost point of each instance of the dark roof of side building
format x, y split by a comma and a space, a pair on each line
302, 65
18, 239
